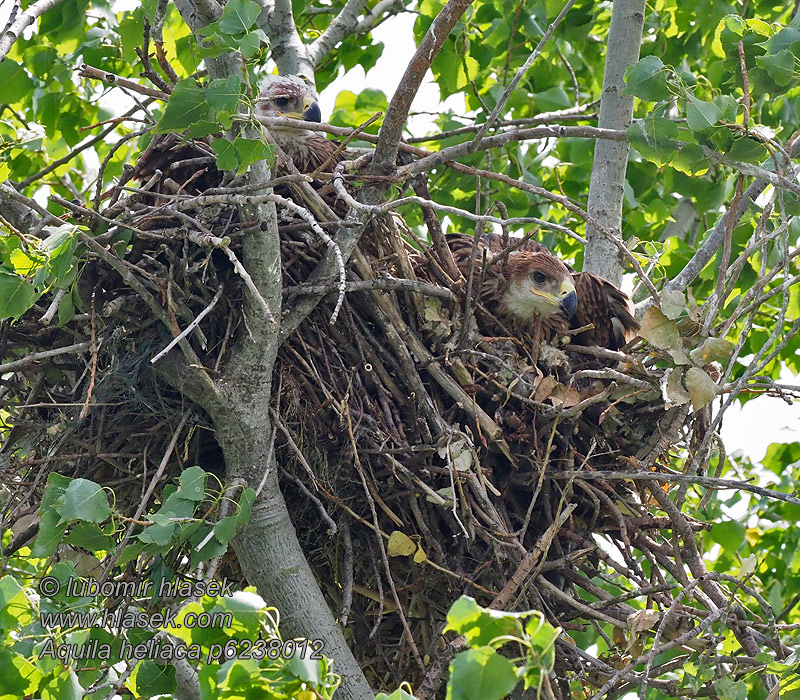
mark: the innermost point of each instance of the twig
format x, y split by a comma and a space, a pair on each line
522, 70
87, 71
45, 354
185, 332
386, 283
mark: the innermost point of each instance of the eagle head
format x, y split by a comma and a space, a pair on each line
288, 96
538, 283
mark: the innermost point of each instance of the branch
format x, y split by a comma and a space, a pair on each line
113, 79
611, 159
356, 222
377, 14
396, 114
16, 213
343, 25
14, 32
288, 51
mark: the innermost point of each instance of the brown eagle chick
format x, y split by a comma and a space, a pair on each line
531, 283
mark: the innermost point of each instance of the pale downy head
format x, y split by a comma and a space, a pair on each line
538, 283
288, 96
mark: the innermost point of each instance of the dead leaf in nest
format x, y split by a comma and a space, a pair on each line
564, 396
400, 545
544, 388
643, 620
436, 321
711, 350
702, 388
639, 622
672, 389
659, 330
673, 303
419, 555
663, 333
460, 454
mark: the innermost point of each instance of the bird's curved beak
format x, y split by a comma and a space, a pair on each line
312, 112
567, 298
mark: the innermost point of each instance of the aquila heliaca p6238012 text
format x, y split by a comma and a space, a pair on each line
531, 281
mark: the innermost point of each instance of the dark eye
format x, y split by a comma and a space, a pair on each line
281, 101
539, 277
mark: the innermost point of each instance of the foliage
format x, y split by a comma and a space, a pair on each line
61, 626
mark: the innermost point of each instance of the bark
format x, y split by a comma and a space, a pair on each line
286, 47
611, 158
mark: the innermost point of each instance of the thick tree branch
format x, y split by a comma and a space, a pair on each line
397, 113
287, 49
611, 159
343, 25
14, 32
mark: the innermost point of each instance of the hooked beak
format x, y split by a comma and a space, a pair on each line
312, 113
567, 298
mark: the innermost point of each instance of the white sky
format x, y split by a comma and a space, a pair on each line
751, 428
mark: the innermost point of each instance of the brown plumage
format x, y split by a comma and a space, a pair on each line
531, 280
187, 166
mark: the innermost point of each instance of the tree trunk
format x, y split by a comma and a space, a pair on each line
610, 157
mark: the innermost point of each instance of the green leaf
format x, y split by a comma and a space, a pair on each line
654, 138
155, 679
691, 160
227, 158
50, 531
192, 484
85, 500
15, 81
239, 16
202, 128
223, 95
158, 534
481, 625
729, 534
251, 42
187, 105
748, 150
249, 151
701, 115
647, 80
729, 689
89, 536
779, 66
481, 674
225, 529
17, 295
20, 678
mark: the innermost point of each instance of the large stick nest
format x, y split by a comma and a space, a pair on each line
499, 459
